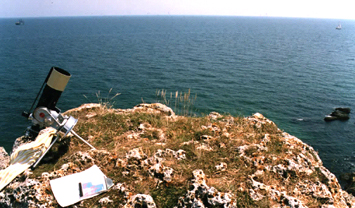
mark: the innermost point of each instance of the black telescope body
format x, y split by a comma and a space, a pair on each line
53, 86
56, 81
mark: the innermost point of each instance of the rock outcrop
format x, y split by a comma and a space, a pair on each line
338, 114
159, 159
349, 179
4, 158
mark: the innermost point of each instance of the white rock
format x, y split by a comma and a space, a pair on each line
141, 200
105, 200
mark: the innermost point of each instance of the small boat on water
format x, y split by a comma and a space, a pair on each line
20, 22
338, 27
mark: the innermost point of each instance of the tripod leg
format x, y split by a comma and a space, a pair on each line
45, 152
75, 134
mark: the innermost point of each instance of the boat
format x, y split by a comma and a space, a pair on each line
338, 27
20, 22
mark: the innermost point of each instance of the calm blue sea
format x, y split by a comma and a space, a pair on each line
292, 70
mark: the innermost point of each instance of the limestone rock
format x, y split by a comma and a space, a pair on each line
84, 107
214, 115
4, 158
105, 200
154, 108
201, 195
349, 178
141, 201
221, 166
282, 171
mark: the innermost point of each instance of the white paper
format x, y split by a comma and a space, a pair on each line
67, 191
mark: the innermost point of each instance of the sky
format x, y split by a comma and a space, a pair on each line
340, 9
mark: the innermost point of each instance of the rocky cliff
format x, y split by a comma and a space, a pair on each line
158, 159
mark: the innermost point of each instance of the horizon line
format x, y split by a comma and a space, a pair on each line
206, 15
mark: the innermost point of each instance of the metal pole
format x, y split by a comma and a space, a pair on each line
45, 152
75, 134
54, 141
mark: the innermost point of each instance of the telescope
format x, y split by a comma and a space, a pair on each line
46, 113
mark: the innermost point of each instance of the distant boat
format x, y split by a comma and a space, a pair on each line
20, 22
338, 27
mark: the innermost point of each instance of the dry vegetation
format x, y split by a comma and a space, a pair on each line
112, 130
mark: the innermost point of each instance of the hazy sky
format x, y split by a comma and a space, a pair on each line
340, 9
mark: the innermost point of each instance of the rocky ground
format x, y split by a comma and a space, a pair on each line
158, 159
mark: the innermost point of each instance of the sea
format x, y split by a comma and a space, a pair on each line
294, 71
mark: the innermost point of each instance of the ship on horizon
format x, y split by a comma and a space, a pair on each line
20, 22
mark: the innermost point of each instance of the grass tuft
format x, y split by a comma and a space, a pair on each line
106, 101
182, 103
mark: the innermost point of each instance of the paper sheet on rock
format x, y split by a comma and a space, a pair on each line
73, 188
